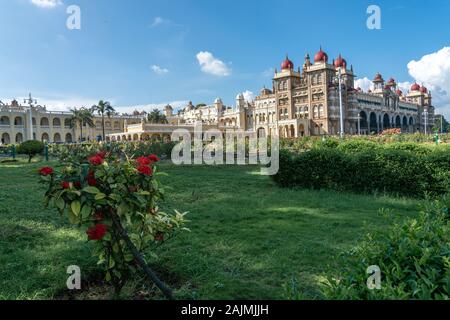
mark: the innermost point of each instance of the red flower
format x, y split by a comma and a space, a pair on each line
77, 184
65, 185
46, 171
159, 237
153, 158
143, 161
145, 170
96, 160
91, 181
97, 232
91, 174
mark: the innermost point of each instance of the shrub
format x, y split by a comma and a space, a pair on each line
31, 148
356, 145
413, 257
115, 200
386, 170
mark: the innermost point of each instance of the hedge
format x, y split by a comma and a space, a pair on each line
391, 171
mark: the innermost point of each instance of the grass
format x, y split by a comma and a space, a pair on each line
248, 237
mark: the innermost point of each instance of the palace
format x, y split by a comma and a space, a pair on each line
51, 126
302, 102
306, 102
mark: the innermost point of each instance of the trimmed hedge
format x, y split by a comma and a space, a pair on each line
393, 171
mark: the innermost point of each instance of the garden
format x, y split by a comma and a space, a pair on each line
140, 227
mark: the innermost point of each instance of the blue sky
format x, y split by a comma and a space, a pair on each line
146, 52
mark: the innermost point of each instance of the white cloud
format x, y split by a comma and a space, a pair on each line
150, 106
46, 3
433, 70
365, 84
159, 70
209, 64
248, 96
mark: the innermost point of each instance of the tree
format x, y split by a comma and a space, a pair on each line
200, 105
81, 117
31, 148
156, 117
103, 108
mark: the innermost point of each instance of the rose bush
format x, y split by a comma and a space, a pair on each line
115, 200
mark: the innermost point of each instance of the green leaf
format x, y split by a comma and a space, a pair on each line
72, 218
108, 276
76, 207
91, 190
100, 196
60, 203
86, 211
122, 209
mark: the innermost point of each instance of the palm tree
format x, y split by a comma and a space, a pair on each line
157, 117
102, 108
81, 117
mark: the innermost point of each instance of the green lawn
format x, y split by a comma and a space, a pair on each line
248, 237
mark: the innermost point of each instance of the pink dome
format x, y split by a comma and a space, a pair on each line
287, 64
340, 62
321, 56
415, 87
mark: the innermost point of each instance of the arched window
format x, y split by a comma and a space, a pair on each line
56, 122
321, 111
315, 112
45, 123
4, 121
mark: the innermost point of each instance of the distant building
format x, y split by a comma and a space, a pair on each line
52, 126
305, 102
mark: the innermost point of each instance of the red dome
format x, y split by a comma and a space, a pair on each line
378, 77
340, 62
321, 56
287, 64
423, 89
415, 87
399, 92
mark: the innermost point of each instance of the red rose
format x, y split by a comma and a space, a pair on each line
77, 184
159, 237
143, 161
145, 170
65, 185
46, 171
153, 158
91, 181
91, 174
96, 160
97, 232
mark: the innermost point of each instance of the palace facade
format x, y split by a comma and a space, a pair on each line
301, 102
52, 126
304, 102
